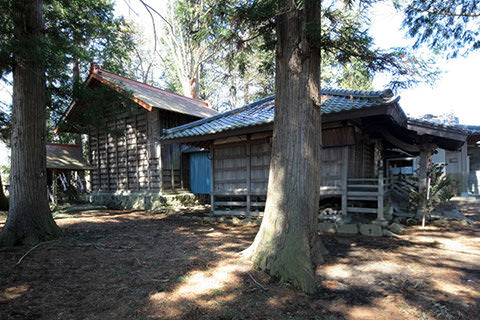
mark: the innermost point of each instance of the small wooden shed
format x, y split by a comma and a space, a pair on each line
360, 129
66, 166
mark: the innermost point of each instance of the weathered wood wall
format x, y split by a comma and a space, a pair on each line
240, 170
129, 158
361, 160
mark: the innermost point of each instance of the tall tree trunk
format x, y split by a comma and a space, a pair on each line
29, 220
3, 199
287, 244
194, 84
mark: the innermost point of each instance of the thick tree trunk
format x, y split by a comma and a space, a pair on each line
3, 199
29, 220
287, 244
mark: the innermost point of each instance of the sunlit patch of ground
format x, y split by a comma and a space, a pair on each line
142, 265
431, 273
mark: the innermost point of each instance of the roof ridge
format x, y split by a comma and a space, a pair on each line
153, 87
385, 94
435, 124
220, 115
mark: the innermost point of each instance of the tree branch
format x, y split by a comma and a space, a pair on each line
445, 13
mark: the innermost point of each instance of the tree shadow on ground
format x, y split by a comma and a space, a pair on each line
141, 265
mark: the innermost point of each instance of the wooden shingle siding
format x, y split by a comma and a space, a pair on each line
361, 160
260, 167
123, 161
230, 170
332, 167
135, 160
240, 176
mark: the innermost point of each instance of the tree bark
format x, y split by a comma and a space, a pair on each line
30, 220
287, 245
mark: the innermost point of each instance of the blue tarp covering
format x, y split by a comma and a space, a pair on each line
199, 172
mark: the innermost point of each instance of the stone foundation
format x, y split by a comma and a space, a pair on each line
144, 201
366, 229
372, 230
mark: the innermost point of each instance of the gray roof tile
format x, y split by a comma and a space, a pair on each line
159, 98
262, 112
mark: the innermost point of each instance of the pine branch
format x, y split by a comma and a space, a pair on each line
445, 13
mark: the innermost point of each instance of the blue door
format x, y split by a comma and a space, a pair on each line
199, 172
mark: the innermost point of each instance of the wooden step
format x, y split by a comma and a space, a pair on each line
366, 186
362, 193
362, 198
361, 210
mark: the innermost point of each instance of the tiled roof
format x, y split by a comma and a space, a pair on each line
471, 129
437, 125
262, 112
156, 97
66, 157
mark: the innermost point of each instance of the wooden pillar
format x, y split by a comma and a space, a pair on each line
99, 175
249, 177
136, 152
107, 163
380, 217
422, 178
344, 179
54, 186
172, 170
182, 187
212, 181
88, 173
464, 170
116, 156
425, 153
148, 147
126, 155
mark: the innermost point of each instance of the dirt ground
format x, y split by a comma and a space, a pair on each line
142, 265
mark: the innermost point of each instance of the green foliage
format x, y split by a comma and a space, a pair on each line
440, 189
206, 51
76, 32
341, 34
5, 170
447, 27
97, 106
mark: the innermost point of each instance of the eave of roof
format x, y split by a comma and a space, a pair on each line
147, 96
150, 96
259, 115
438, 130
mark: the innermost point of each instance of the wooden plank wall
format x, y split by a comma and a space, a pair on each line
134, 160
260, 167
361, 161
332, 167
240, 176
240, 170
173, 174
230, 174
122, 157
